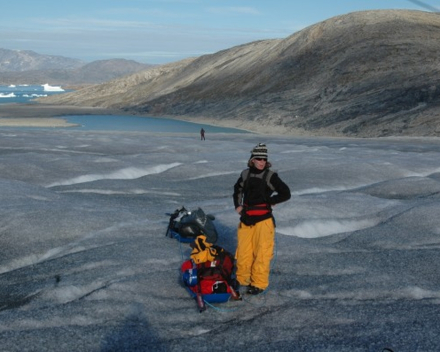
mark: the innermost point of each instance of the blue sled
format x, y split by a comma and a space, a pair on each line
176, 235
212, 298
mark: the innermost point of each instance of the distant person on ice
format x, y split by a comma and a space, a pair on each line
202, 134
255, 192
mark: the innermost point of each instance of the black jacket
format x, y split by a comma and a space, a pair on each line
256, 187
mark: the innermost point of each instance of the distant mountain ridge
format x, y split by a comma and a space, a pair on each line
28, 67
365, 74
28, 60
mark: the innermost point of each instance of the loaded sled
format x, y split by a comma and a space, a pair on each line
209, 274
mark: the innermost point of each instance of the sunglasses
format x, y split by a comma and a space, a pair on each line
260, 159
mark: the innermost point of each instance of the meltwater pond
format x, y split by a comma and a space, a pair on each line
142, 124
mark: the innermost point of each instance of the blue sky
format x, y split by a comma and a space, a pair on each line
162, 31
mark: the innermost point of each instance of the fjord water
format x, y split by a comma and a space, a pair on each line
142, 124
28, 93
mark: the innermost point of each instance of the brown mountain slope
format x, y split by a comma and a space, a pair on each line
372, 73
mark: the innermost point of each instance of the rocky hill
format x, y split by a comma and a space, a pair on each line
28, 60
370, 73
28, 67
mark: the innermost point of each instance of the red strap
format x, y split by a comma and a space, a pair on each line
257, 210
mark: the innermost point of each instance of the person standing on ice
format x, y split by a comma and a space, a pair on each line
202, 134
257, 189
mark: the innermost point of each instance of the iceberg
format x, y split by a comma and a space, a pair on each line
9, 95
49, 88
34, 95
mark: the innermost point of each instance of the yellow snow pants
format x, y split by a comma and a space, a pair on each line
255, 246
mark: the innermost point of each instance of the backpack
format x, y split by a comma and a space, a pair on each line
187, 225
